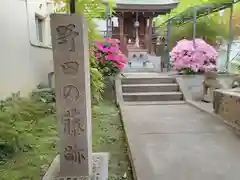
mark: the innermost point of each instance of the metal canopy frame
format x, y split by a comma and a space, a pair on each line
201, 10
191, 14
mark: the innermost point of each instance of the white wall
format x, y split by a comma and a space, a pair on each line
15, 64
25, 62
22, 65
102, 24
42, 9
40, 53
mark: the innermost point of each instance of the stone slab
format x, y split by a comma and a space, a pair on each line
207, 156
170, 118
100, 166
169, 142
153, 103
99, 169
227, 105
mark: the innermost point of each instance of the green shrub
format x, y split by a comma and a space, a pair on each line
18, 117
6, 152
45, 95
97, 81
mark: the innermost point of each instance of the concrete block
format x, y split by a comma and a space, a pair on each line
226, 103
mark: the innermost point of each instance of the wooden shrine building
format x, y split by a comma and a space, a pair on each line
135, 22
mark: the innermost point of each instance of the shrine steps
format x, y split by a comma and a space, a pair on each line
148, 80
157, 89
153, 96
133, 50
143, 103
136, 49
138, 88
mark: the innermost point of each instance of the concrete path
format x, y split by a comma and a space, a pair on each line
180, 142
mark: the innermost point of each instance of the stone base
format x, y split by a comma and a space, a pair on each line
227, 105
99, 169
207, 99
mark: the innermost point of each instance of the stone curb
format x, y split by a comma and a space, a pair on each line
119, 104
134, 174
99, 172
53, 170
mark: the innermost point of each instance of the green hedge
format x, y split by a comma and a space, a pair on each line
18, 118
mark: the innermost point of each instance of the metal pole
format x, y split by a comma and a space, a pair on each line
72, 6
107, 21
168, 43
194, 26
230, 39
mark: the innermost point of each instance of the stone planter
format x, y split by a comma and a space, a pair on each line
226, 103
191, 85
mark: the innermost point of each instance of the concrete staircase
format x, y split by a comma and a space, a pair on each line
151, 89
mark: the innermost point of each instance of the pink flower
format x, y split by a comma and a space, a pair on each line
103, 49
109, 57
184, 55
123, 59
119, 65
97, 55
116, 58
100, 47
108, 40
107, 54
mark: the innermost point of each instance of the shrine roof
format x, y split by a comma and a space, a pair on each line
144, 2
145, 5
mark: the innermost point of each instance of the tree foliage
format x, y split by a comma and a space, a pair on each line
208, 27
91, 9
186, 4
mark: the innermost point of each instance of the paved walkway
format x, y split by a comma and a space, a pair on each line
180, 142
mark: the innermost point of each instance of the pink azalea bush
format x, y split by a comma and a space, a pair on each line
108, 57
189, 59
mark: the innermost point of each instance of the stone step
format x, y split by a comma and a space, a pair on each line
137, 50
170, 87
137, 54
133, 46
153, 96
155, 80
134, 103
132, 49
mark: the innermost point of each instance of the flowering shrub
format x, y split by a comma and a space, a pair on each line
108, 57
188, 59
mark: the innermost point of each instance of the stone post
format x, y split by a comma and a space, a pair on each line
146, 33
121, 26
122, 39
150, 35
73, 98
